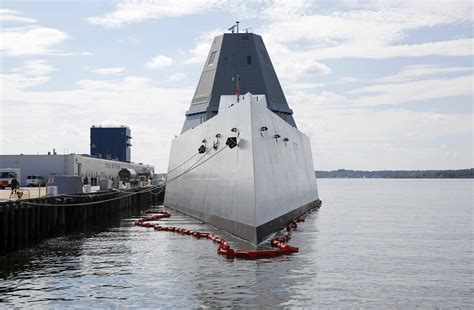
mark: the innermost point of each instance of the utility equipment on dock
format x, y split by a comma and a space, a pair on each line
127, 175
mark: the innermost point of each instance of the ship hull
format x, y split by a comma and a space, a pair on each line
251, 190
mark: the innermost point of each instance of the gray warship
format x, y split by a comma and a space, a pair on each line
240, 163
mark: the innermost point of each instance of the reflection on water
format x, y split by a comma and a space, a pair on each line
375, 243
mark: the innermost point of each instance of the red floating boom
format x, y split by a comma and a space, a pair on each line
224, 247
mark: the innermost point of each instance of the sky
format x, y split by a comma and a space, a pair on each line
376, 85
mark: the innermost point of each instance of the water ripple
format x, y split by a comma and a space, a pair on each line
374, 244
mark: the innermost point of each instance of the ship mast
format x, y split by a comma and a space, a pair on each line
234, 27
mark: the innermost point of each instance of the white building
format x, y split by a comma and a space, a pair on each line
73, 164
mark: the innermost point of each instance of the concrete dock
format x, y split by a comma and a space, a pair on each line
24, 222
34, 192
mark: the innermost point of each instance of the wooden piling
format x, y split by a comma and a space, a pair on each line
3, 229
26, 221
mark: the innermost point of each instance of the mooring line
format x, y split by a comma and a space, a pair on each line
161, 187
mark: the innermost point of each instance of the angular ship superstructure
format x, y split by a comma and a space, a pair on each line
240, 164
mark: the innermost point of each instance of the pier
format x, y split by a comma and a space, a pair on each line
25, 222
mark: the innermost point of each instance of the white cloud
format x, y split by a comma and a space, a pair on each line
287, 10
27, 40
395, 93
303, 86
378, 23
130, 12
108, 71
293, 69
131, 40
290, 66
32, 40
178, 76
415, 72
375, 139
20, 81
373, 50
35, 68
32, 73
298, 67
14, 16
411, 73
349, 79
299, 36
69, 54
93, 102
159, 62
373, 30
198, 54
379, 139
377, 32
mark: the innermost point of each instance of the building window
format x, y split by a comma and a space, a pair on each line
249, 60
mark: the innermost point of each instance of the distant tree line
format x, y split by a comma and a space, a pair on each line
399, 174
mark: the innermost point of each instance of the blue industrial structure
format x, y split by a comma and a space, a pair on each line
111, 142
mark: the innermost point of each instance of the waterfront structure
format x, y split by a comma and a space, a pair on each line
240, 163
111, 142
26, 221
71, 164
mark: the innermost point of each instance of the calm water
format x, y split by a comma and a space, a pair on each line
375, 243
